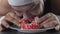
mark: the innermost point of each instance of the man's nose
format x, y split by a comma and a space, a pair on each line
28, 16
25, 15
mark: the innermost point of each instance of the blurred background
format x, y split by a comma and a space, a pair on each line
52, 6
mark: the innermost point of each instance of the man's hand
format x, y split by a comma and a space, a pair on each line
52, 21
12, 17
49, 20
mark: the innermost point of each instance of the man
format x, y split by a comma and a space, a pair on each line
26, 8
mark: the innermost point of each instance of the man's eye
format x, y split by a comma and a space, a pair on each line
21, 17
18, 11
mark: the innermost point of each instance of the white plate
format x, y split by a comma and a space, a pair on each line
31, 31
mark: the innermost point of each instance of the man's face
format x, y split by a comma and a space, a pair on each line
22, 10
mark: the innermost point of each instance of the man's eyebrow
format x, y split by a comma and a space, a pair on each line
18, 11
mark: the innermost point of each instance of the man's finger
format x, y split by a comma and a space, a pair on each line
14, 21
1, 28
48, 20
5, 24
37, 19
11, 19
13, 15
45, 17
50, 24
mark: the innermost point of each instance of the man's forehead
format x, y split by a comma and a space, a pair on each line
25, 5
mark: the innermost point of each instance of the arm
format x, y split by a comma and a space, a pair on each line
4, 7
7, 11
